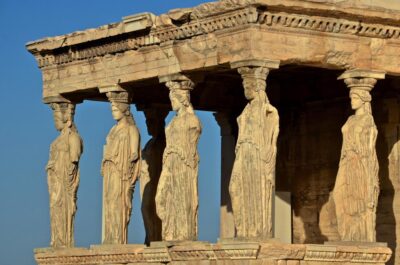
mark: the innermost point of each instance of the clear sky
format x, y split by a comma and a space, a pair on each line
27, 130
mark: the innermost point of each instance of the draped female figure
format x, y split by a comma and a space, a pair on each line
357, 184
177, 195
253, 175
120, 169
63, 175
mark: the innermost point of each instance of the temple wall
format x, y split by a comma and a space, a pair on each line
309, 152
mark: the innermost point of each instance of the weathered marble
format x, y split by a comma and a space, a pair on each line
177, 196
204, 253
63, 175
252, 183
356, 189
120, 169
313, 41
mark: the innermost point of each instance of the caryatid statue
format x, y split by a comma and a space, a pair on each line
177, 195
357, 183
120, 169
252, 182
151, 170
63, 175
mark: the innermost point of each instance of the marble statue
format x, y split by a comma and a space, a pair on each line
63, 175
253, 175
120, 169
151, 170
177, 195
357, 184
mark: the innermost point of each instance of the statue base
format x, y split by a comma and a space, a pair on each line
222, 253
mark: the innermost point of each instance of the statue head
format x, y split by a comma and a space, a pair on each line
180, 99
120, 110
179, 94
254, 82
360, 95
120, 107
360, 99
253, 88
63, 114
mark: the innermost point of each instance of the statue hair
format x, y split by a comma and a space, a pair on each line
365, 96
183, 97
125, 108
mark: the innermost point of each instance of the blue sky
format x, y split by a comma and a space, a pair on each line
27, 130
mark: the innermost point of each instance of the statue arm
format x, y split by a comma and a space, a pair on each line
270, 144
189, 151
75, 151
195, 130
75, 147
134, 144
368, 135
275, 132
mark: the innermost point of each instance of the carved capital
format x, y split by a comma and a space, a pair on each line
270, 64
259, 73
366, 84
362, 73
254, 78
358, 79
254, 72
177, 81
62, 105
180, 85
119, 97
115, 93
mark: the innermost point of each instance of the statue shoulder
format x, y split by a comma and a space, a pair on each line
75, 145
74, 136
194, 122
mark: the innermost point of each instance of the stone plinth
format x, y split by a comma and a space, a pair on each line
203, 253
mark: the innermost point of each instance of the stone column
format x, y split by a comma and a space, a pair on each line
120, 167
63, 172
252, 183
228, 128
151, 170
356, 188
177, 195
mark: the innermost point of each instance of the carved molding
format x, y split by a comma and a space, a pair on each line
130, 254
359, 255
329, 25
234, 15
208, 25
361, 79
208, 9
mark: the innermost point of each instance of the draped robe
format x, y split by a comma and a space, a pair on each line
357, 184
177, 195
120, 171
63, 182
253, 175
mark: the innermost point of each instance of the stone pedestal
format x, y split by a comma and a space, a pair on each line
224, 253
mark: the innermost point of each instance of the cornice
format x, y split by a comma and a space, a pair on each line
139, 31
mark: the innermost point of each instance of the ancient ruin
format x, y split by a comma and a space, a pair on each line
306, 94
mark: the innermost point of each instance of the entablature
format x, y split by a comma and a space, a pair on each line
325, 34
